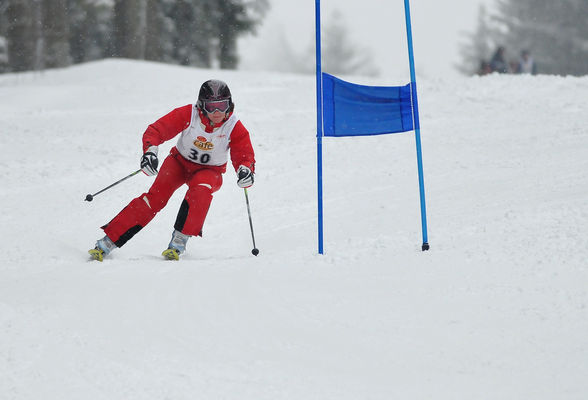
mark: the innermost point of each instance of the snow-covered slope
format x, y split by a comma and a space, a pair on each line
497, 309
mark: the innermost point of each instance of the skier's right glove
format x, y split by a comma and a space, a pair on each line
149, 161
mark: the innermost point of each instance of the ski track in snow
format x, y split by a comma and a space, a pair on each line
497, 309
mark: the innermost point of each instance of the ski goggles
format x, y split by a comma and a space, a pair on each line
220, 105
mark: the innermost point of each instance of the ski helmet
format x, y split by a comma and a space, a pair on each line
215, 92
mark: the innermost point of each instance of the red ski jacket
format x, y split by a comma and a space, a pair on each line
175, 122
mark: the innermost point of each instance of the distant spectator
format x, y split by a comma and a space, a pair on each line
498, 62
485, 68
526, 64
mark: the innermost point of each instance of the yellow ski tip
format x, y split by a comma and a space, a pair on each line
96, 254
171, 254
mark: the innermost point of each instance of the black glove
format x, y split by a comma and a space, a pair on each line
245, 177
149, 161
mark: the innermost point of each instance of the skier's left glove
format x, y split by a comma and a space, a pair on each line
245, 177
149, 161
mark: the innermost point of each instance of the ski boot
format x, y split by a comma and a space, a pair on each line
103, 248
176, 246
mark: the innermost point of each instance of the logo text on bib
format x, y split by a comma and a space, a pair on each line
202, 144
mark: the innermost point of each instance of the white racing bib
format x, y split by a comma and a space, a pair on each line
201, 147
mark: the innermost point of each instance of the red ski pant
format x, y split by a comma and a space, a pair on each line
202, 182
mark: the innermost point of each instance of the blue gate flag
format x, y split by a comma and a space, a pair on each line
356, 110
347, 109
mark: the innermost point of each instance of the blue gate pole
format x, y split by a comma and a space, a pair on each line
319, 126
417, 128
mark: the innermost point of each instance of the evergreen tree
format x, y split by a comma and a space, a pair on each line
193, 32
479, 46
55, 34
90, 27
130, 19
232, 19
339, 55
21, 43
156, 32
555, 33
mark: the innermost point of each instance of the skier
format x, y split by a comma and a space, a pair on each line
209, 130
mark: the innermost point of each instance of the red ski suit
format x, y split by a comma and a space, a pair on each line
181, 167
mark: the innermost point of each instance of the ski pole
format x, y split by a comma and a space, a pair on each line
255, 250
90, 197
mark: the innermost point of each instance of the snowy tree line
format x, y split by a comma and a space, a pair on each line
554, 32
341, 55
38, 34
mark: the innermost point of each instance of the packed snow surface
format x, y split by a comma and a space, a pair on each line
497, 309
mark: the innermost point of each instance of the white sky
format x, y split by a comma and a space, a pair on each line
376, 24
